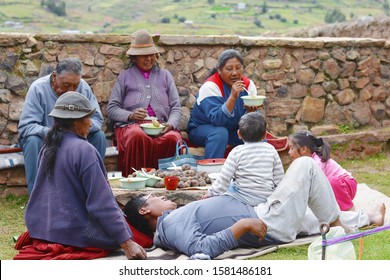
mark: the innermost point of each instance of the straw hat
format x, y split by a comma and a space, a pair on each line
142, 44
72, 105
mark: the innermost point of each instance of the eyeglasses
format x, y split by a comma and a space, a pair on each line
146, 198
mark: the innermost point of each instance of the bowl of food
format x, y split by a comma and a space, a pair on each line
152, 129
151, 179
133, 183
211, 165
253, 100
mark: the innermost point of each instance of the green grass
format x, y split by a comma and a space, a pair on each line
124, 17
11, 224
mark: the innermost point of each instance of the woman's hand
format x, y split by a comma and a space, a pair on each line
237, 87
252, 108
138, 114
133, 251
168, 127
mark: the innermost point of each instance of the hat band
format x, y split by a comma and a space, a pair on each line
142, 45
71, 108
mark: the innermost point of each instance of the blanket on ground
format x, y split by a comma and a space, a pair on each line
366, 199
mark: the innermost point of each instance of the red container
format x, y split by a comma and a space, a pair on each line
171, 182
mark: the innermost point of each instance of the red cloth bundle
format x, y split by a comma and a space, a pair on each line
35, 249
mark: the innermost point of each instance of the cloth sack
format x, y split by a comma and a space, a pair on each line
340, 251
181, 157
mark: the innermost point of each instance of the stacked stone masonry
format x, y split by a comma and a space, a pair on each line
321, 84
364, 27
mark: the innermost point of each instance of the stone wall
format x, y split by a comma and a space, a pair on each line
325, 84
364, 27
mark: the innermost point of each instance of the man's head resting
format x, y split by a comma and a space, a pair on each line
142, 211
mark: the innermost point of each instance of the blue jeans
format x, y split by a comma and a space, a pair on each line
32, 144
214, 139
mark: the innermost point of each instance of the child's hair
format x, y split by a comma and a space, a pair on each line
253, 127
305, 138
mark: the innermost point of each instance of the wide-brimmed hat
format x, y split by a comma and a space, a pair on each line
72, 105
142, 44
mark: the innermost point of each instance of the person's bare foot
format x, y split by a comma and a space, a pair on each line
378, 217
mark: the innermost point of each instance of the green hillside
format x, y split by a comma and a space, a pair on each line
195, 17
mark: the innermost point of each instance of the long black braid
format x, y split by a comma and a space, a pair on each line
53, 141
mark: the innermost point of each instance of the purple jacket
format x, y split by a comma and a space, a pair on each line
76, 206
132, 91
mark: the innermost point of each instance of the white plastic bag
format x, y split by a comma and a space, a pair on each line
340, 251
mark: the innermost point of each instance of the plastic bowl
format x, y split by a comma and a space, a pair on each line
133, 183
211, 165
151, 179
114, 177
115, 181
253, 100
150, 129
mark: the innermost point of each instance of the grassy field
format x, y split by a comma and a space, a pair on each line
220, 18
374, 171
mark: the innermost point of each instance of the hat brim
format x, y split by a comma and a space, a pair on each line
66, 114
142, 51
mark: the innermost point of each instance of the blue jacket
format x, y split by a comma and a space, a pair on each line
210, 107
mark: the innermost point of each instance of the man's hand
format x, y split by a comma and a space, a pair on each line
252, 225
133, 251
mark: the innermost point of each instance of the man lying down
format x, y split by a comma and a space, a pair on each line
212, 226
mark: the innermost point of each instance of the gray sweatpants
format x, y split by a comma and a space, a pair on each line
304, 185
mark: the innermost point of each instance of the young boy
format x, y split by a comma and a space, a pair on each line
253, 170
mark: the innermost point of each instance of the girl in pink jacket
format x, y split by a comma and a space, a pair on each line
305, 143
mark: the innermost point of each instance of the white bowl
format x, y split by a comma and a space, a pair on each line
114, 177
133, 183
150, 129
151, 179
211, 165
115, 181
253, 100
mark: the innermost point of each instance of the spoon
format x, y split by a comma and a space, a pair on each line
134, 169
143, 171
155, 123
249, 93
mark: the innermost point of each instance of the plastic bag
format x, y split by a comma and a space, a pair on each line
179, 158
339, 251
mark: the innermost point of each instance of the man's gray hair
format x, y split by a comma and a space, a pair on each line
69, 66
